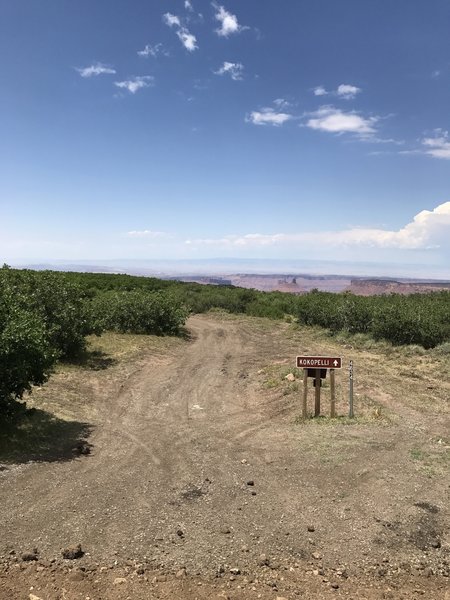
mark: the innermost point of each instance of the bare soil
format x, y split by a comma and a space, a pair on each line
201, 481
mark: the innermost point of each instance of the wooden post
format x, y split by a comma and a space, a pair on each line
350, 398
305, 394
317, 396
333, 394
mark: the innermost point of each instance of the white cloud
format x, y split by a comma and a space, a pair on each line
228, 22
344, 91
148, 234
234, 70
153, 51
439, 145
428, 229
334, 120
171, 20
187, 38
347, 91
268, 116
96, 69
136, 83
188, 6
320, 91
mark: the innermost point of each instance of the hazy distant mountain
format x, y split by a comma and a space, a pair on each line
230, 266
296, 276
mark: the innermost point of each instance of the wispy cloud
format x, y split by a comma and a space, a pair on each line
147, 234
282, 103
188, 6
268, 116
187, 38
96, 69
428, 229
155, 50
228, 22
334, 120
345, 91
135, 84
234, 70
438, 145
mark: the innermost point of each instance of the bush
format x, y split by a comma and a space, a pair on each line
26, 355
139, 312
422, 319
43, 317
401, 325
59, 303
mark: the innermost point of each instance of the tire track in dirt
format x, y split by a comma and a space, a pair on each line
154, 435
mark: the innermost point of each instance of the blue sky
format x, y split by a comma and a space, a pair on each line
165, 129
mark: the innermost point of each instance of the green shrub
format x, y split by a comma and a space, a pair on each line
422, 319
26, 355
401, 325
60, 304
139, 312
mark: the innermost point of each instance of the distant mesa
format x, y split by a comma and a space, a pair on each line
220, 273
372, 287
304, 283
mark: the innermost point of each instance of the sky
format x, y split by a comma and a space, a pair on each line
190, 129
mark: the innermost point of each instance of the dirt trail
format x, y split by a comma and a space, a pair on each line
194, 466
171, 426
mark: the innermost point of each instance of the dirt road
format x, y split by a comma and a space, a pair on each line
198, 467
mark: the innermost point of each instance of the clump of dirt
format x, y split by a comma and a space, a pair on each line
427, 530
73, 552
193, 493
30, 556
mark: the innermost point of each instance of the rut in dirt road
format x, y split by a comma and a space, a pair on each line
202, 393
171, 434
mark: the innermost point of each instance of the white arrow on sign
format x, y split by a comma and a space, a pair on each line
335, 363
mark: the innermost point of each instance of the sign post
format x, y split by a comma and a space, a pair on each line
316, 367
318, 384
350, 399
305, 394
333, 394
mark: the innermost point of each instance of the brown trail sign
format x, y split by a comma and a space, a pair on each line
316, 366
319, 362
